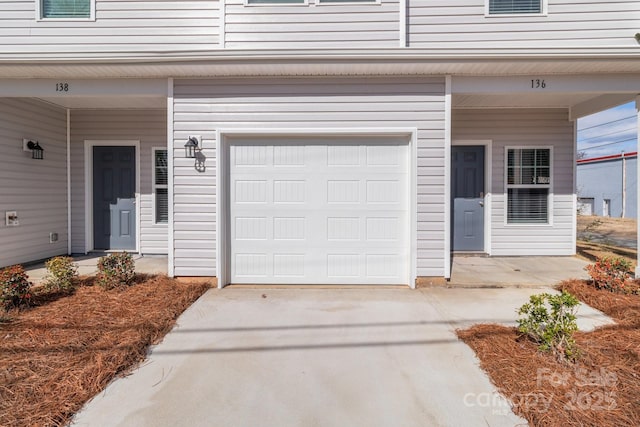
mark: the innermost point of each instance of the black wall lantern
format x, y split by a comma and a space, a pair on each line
37, 152
191, 147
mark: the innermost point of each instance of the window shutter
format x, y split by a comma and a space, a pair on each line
515, 6
66, 8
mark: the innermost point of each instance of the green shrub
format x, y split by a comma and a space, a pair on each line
14, 287
550, 320
116, 270
610, 273
61, 274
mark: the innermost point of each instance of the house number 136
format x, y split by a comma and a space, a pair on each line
62, 87
538, 84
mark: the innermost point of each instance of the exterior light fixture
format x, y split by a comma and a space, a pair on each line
37, 152
190, 147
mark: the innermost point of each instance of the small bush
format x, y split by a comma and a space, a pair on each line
61, 274
550, 320
116, 270
610, 273
14, 287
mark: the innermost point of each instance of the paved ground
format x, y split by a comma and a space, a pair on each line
316, 357
515, 271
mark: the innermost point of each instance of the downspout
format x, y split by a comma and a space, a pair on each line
624, 185
402, 30
638, 180
447, 178
68, 181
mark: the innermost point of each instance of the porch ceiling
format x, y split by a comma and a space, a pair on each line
559, 100
108, 102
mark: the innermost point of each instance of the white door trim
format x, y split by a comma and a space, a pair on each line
222, 195
88, 187
488, 161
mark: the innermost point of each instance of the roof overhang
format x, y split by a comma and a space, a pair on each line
408, 61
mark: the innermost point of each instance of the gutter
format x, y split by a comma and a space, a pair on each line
406, 54
609, 157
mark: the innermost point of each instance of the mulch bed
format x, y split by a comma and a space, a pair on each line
64, 350
601, 389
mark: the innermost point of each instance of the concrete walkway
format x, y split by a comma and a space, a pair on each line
316, 357
530, 271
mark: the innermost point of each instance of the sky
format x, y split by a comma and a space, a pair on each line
608, 132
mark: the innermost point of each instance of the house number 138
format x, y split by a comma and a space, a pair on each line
538, 84
62, 87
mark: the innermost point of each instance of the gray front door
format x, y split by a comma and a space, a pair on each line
467, 194
114, 198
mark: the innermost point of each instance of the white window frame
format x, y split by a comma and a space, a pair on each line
543, 11
41, 18
155, 186
275, 3
348, 3
508, 186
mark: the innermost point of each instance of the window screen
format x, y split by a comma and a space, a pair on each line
66, 8
528, 185
515, 6
160, 181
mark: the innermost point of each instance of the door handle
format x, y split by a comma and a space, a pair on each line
481, 203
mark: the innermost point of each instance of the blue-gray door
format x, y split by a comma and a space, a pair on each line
114, 198
467, 194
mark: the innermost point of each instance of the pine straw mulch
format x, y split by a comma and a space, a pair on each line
601, 389
56, 355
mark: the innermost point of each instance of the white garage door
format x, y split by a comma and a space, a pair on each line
585, 206
318, 211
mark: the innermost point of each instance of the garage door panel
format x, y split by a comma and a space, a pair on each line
333, 212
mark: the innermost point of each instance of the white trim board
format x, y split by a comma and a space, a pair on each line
222, 197
170, 179
448, 127
88, 188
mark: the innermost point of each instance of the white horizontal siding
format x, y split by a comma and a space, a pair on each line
312, 26
461, 24
526, 127
120, 26
35, 189
147, 126
204, 106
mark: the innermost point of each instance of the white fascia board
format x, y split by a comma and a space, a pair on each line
84, 87
540, 84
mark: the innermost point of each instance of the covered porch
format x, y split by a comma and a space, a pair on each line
103, 168
525, 127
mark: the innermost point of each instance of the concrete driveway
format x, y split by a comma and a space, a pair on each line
327, 357
314, 357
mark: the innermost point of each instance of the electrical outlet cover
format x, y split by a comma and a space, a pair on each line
11, 218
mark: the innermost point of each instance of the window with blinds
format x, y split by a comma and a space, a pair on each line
276, 2
528, 184
160, 186
66, 8
497, 7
